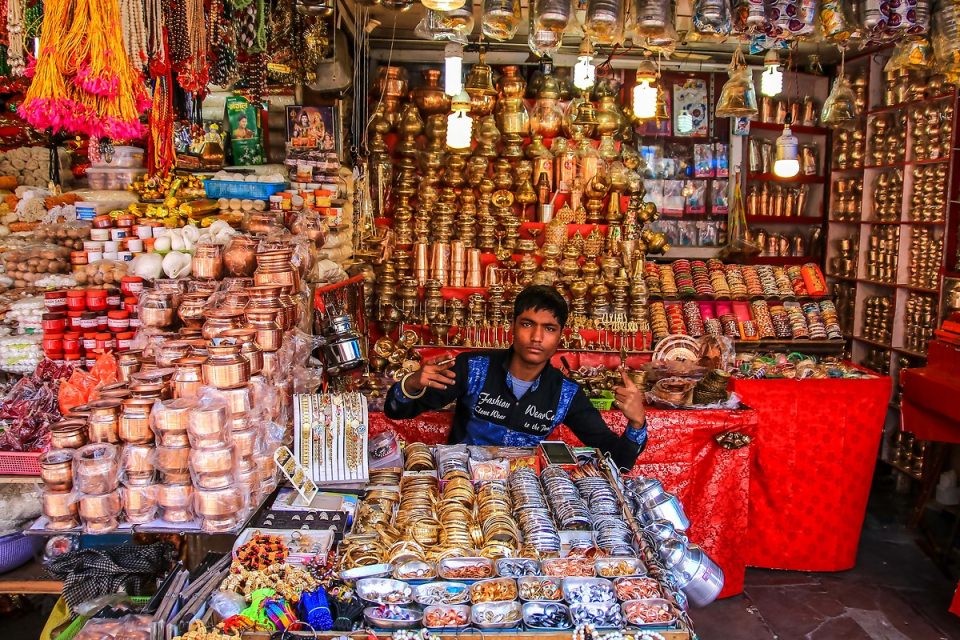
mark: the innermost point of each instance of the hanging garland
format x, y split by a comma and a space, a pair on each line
193, 73
133, 25
16, 34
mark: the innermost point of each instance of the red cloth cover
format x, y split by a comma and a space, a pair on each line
712, 483
930, 408
816, 447
955, 604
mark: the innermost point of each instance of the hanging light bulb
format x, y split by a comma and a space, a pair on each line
443, 5
787, 163
645, 93
584, 73
459, 122
453, 68
771, 81
685, 122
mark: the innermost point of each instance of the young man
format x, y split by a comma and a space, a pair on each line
515, 397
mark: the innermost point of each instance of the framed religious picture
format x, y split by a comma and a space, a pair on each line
314, 127
690, 110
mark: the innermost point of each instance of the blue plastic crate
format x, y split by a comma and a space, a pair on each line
242, 190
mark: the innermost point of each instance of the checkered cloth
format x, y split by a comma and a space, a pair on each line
129, 568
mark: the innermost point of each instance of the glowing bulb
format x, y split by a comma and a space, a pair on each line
584, 73
452, 68
644, 100
771, 80
459, 123
787, 163
684, 122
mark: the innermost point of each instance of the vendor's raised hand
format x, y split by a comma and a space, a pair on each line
436, 374
630, 400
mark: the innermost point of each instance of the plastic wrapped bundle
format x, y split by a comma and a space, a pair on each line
945, 37
836, 22
604, 21
887, 20
653, 21
748, 16
711, 19
500, 19
791, 18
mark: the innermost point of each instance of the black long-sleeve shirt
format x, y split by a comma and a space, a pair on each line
489, 413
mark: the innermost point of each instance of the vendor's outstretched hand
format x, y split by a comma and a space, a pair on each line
431, 374
630, 400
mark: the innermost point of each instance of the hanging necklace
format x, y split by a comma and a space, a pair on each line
16, 29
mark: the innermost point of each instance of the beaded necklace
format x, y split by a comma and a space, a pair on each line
134, 28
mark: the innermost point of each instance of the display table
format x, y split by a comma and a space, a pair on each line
713, 483
816, 448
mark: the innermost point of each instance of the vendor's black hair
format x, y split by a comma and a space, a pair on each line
540, 297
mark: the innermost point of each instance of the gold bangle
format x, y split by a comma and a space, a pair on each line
403, 388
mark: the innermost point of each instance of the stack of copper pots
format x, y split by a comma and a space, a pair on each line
268, 317
219, 500
59, 501
174, 496
96, 478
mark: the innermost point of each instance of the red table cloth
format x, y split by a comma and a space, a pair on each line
713, 483
816, 448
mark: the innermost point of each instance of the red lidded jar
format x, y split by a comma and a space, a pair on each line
97, 299
124, 338
71, 342
54, 322
105, 342
130, 304
131, 285
118, 320
88, 320
89, 340
102, 321
77, 300
52, 343
55, 301
113, 298
74, 318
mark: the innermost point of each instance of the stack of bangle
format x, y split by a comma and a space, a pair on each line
403, 388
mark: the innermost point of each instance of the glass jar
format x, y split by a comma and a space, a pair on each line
604, 21
500, 19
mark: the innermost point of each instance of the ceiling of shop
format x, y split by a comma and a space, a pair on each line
390, 27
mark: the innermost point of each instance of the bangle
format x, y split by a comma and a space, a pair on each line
403, 388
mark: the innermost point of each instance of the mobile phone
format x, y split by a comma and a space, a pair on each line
557, 452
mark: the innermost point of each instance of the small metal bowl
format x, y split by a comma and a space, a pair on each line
462, 608
451, 568
590, 613
637, 622
369, 571
532, 609
384, 591
517, 567
455, 593
384, 623
537, 579
496, 615
609, 567
572, 587
559, 567
415, 570
509, 585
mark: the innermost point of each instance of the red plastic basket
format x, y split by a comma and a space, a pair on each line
20, 463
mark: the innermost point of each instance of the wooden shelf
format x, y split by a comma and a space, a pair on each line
843, 278
895, 165
908, 352
796, 128
847, 170
873, 343
932, 161
908, 104
784, 220
797, 179
30, 578
782, 260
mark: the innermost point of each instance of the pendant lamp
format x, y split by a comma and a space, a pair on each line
771, 81
738, 98
840, 107
787, 162
459, 122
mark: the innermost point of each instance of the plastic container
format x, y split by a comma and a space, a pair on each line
123, 158
113, 179
235, 189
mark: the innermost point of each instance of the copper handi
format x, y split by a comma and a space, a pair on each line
191, 309
212, 468
170, 421
138, 464
173, 461
56, 469
155, 391
100, 513
240, 256
269, 363
176, 502
245, 441
209, 426
226, 368
207, 262
188, 377
79, 411
96, 468
134, 424
238, 400
291, 311
68, 434
269, 331
249, 349
266, 467
60, 510
139, 503
103, 421
248, 480
220, 509
157, 309
264, 295
170, 351
116, 391
284, 276
128, 363
216, 321
191, 333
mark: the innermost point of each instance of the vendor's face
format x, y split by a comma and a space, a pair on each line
536, 336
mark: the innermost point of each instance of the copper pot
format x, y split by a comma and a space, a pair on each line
212, 468
261, 222
174, 464
154, 391
240, 256
139, 503
248, 480
96, 468
128, 363
220, 509
60, 509
56, 469
115, 394
135, 421
191, 309
219, 320
226, 368
207, 262
249, 349
266, 467
138, 464
430, 97
291, 311
100, 512
189, 378
269, 363
238, 400
283, 276
156, 309
208, 426
245, 441
269, 331
68, 434
266, 295
171, 350
170, 421
176, 502
79, 411
191, 333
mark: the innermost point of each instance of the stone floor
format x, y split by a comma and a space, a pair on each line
896, 592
